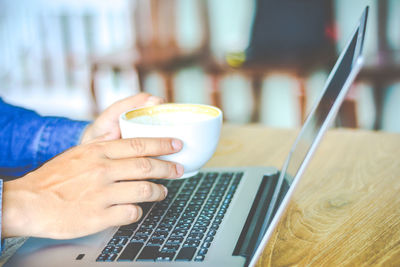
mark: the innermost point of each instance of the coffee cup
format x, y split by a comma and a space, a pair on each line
197, 126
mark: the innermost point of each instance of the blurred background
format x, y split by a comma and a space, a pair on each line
259, 60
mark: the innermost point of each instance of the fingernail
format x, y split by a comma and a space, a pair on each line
165, 191
179, 169
176, 144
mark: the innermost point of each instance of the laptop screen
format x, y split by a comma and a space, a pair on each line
323, 112
319, 115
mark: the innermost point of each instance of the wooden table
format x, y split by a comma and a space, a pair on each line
346, 210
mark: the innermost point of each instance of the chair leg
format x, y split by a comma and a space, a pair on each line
93, 103
256, 84
168, 78
348, 111
141, 76
379, 93
215, 92
302, 96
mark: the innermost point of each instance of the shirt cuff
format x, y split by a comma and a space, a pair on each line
58, 135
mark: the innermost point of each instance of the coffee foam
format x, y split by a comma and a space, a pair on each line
170, 114
171, 118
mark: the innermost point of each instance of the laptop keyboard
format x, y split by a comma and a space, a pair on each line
179, 228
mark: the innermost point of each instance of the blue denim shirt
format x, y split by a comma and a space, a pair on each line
27, 140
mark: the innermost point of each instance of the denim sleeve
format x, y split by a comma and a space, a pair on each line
27, 140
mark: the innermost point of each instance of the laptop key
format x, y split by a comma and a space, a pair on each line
170, 248
203, 251
174, 240
108, 249
179, 232
102, 257
212, 175
163, 228
123, 241
114, 241
211, 233
199, 229
112, 257
191, 243
165, 256
186, 254
199, 258
130, 251
214, 226
117, 249
149, 253
160, 234
195, 236
206, 244
155, 242
143, 233
209, 239
139, 239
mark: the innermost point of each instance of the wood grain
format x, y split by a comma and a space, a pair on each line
346, 210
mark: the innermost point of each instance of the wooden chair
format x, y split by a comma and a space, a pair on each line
291, 37
156, 47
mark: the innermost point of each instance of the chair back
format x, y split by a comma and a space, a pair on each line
155, 23
292, 32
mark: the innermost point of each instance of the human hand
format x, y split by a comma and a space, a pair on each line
88, 188
107, 126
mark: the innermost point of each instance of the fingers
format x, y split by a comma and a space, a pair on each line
142, 168
135, 192
123, 214
140, 147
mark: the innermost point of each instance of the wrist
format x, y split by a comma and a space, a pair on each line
17, 203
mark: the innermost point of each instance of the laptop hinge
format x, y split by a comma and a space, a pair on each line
256, 218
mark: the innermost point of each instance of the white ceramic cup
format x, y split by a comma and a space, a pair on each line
197, 126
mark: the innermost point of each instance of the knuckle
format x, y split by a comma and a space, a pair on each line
172, 170
147, 190
134, 213
92, 150
145, 165
94, 147
102, 168
166, 145
137, 145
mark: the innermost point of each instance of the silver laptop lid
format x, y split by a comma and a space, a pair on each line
322, 114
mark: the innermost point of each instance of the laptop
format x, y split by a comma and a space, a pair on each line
220, 217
